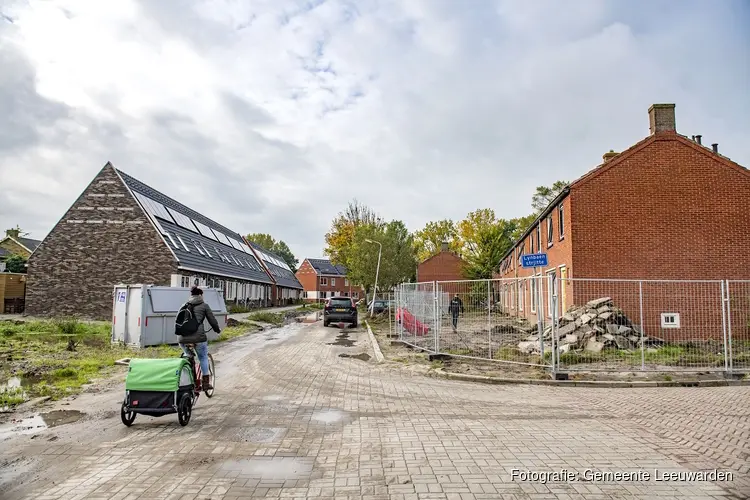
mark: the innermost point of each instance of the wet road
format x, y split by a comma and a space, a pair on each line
303, 412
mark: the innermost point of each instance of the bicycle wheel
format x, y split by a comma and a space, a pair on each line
211, 376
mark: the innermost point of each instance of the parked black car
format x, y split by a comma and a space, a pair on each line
340, 310
381, 305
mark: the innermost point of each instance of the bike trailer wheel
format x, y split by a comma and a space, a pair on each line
127, 416
184, 409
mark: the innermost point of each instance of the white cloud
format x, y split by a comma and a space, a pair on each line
279, 112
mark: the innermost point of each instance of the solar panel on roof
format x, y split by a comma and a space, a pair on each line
222, 238
235, 244
152, 207
182, 220
204, 230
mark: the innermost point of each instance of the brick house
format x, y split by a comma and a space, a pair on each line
287, 289
321, 279
15, 244
120, 230
667, 208
443, 266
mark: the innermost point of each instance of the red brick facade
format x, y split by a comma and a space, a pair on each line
668, 208
445, 266
319, 286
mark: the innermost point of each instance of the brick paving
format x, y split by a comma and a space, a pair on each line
294, 420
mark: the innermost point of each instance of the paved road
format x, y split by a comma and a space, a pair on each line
293, 419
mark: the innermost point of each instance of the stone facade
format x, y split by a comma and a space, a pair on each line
104, 239
13, 248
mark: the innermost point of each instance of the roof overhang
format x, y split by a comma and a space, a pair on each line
223, 275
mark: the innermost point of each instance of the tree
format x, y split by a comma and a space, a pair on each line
428, 240
545, 195
280, 248
486, 239
340, 238
15, 264
397, 264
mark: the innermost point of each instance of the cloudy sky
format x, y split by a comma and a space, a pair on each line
270, 115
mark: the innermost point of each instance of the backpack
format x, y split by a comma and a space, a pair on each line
185, 322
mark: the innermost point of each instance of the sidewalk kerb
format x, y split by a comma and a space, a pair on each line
375, 346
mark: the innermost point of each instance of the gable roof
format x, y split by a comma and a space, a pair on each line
199, 243
28, 243
279, 269
324, 266
453, 254
605, 166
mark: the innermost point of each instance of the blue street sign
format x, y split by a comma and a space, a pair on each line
534, 260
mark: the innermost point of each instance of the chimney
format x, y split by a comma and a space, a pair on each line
444, 247
661, 118
12, 233
698, 138
609, 156
715, 147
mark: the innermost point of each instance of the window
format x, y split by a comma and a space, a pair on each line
550, 291
346, 282
549, 231
206, 250
539, 236
333, 281
521, 295
563, 280
183, 243
531, 243
172, 240
324, 281
670, 320
561, 221
197, 247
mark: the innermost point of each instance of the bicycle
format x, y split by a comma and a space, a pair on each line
197, 374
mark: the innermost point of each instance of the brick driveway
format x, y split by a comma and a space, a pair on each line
292, 419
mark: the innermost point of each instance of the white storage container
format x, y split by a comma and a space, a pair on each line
144, 315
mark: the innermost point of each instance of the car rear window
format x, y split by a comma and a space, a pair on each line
341, 302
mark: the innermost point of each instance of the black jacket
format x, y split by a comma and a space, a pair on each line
456, 306
202, 312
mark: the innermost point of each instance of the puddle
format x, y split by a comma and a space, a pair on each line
363, 356
328, 416
39, 422
280, 468
342, 340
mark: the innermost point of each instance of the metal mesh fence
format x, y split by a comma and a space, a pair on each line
581, 324
738, 324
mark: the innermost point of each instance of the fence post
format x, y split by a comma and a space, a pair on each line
489, 318
724, 328
643, 333
729, 326
435, 313
555, 354
540, 316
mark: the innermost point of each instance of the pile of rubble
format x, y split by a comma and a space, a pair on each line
596, 326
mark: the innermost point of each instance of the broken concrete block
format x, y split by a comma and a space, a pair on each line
568, 318
608, 336
613, 329
570, 339
605, 316
528, 347
593, 346
564, 348
586, 318
603, 309
569, 328
624, 330
599, 302
622, 342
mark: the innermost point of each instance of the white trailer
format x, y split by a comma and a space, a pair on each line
144, 315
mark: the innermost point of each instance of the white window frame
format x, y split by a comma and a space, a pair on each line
550, 287
333, 281
550, 231
561, 221
183, 243
323, 281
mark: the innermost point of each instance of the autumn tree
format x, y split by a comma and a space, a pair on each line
428, 240
340, 238
485, 240
279, 247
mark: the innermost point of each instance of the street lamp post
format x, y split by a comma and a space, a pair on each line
377, 271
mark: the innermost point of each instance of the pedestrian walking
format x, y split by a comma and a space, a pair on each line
456, 307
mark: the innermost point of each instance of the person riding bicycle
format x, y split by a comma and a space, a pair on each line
201, 311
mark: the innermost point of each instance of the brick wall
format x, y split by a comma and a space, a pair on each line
337, 285
671, 210
102, 240
445, 266
307, 276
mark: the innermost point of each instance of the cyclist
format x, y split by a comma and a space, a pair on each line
201, 311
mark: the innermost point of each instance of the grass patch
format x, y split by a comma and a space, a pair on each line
10, 398
232, 332
57, 358
267, 317
673, 355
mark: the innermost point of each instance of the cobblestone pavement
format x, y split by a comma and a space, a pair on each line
293, 419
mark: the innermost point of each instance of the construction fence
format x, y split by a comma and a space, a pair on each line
575, 324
